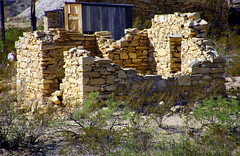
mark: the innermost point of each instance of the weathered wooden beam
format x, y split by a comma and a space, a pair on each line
2, 26
33, 16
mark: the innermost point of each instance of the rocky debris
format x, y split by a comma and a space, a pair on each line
233, 86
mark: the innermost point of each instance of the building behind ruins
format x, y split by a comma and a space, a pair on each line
173, 57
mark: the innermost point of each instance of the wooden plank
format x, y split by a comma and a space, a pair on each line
80, 26
66, 13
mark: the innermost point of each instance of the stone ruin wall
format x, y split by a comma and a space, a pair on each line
131, 51
85, 74
97, 63
40, 62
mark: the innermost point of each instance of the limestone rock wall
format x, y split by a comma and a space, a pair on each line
177, 40
85, 74
40, 62
131, 51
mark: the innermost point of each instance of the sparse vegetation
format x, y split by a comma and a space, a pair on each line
131, 127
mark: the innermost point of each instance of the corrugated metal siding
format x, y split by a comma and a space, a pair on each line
106, 18
61, 19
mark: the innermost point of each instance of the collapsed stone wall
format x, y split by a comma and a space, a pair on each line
174, 49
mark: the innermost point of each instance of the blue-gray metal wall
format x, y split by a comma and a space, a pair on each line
113, 18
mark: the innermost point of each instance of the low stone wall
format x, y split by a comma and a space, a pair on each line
85, 74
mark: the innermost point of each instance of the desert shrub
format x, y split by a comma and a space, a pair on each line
11, 36
105, 127
218, 112
229, 47
16, 130
220, 119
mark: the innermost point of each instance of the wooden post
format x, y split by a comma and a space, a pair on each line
33, 16
2, 23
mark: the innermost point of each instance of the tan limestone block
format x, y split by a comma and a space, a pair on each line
47, 81
135, 43
133, 55
123, 56
137, 60
162, 52
142, 48
46, 86
118, 61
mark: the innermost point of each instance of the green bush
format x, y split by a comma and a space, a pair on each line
106, 127
220, 120
18, 132
218, 112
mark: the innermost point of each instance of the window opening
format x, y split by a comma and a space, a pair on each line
175, 52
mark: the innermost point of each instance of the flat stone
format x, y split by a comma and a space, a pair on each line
90, 88
184, 80
91, 74
103, 61
132, 55
201, 70
110, 88
122, 74
131, 31
110, 79
86, 60
97, 81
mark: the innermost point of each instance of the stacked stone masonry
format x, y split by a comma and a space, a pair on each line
65, 66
